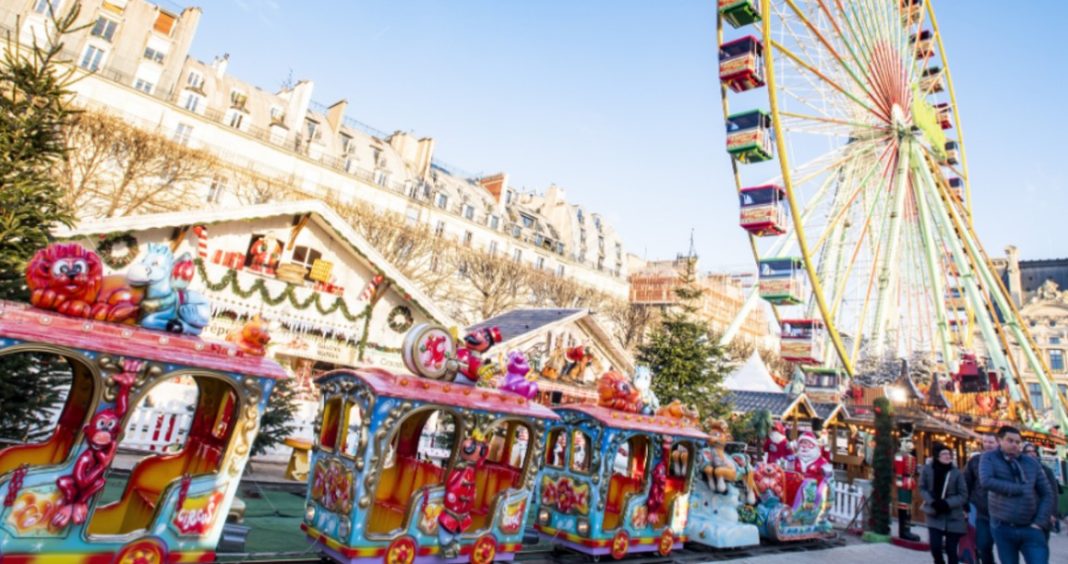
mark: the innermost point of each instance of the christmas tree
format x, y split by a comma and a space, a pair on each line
686, 364
33, 112
882, 465
276, 425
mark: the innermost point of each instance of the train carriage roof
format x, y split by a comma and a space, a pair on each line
627, 421
415, 388
25, 323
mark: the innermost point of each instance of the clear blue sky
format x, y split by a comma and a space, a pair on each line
618, 102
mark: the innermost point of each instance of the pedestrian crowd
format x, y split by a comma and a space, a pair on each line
1006, 491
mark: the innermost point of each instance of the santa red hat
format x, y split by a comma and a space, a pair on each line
778, 426
808, 436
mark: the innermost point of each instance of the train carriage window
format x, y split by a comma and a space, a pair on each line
628, 478
351, 429
331, 422
417, 457
580, 452
503, 470
556, 448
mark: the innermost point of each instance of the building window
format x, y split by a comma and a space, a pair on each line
493, 248
182, 133
306, 257
439, 228
508, 197
195, 80
560, 271
1056, 360
218, 186
381, 178
312, 127
517, 255
347, 145
528, 221
494, 222
192, 102
1037, 401
143, 85
597, 222
237, 119
540, 263
104, 28
581, 217
469, 211
153, 55
93, 58
238, 99
619, 250
1055, 340
46, 6
516, 231
412, 216
467, 238
441, 201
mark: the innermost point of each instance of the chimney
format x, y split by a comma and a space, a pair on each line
1012, 272
554, 196
424, 153
336, 113
219, 64
495, 184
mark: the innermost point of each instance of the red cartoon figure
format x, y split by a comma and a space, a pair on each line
263, 254
810, 461
90, 469
460, 493
776, 446
469, 356
615, 391
67, 278
252, 337
654, 504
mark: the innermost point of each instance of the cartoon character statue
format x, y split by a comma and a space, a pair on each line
90, 469
264, 254
678, 410
776, 447
719, 469
455, 518
714, 517
615, 391
469, 356
810, 461
578, 358
167, 304
643, 380
518, 377
67, 278
252, 337
654, 504
905, 480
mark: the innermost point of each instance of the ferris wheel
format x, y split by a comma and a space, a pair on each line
851, 173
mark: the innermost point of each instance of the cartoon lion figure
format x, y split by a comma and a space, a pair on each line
67, 278
615, 391
252, 337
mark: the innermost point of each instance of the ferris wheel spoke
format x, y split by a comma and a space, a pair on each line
801, 63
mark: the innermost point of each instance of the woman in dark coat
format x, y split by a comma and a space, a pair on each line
944, 497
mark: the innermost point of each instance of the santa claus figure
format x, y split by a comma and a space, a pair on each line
776, 447
810, 460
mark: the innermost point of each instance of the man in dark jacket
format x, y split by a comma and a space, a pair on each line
1019, 498
1032, 451
984, 542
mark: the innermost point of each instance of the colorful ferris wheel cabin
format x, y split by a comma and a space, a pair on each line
60, 504
911, 11
763, 210
739, 12
741, 64
389, 448
932, 80
952, 153
923, 44
616, 482
944, 113
749, 136
782, 280
957, 186
801, 340
955, 299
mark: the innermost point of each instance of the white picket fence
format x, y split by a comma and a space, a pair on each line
848, 499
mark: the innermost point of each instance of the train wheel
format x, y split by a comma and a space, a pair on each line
484, 551
401, 551
667, 542
144, 551
620, 545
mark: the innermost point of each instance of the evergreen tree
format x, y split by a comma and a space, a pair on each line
882, 465
686, 364
276, 425
33, 112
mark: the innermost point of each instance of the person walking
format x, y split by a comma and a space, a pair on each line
1031, 450
1020, 500
944, 495
984, 542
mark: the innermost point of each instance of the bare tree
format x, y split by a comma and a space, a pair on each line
115, 169
496, 285
630, 322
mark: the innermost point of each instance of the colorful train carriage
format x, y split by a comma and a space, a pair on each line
392, 455
615, 482
173, 506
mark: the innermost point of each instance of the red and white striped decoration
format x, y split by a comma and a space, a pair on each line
371, 287
201, 231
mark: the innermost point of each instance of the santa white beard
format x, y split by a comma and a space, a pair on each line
807, 455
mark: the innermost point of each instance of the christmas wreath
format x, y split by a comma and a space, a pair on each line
106, 249
400, 319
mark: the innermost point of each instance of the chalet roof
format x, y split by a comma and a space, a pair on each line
777, 403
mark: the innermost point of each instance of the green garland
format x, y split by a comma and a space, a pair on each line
400, 319
104, 247
229, 280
